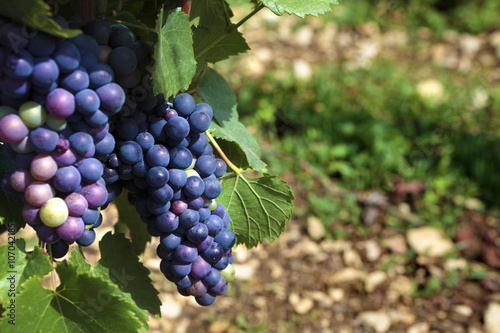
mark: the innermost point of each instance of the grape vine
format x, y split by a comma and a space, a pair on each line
116, 104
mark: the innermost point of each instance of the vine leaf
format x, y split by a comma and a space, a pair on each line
175, 65
37, 14
300, 7
129, 216
23, 266
259, 207
81, 303
214, 90
124, 271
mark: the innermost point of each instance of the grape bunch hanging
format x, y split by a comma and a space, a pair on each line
80, 120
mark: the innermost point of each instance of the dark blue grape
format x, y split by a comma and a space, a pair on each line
67, 56
180, 158
222, 263
87, 238
198, 144
59, 249
213, 188
195, 203
184, 104
186, 252
184, 282
213, 254
81, 142
220, 169
204, 213
225, 238
158, 155
43, 140
99, 75
199, 122
67, 179
205, 244
99, 30
19, 66
145, 140
212, 278
127, 129
156, 129
143, 53
180, 269
189, 218
214, 225
97, 118
90, 216
162, 194
157, 176
167, 222
45, 72
197, 233
112, 97
204, 107
205, 165
194, 187
157, 208
219, 210
170, 241
165, 254
42, 45
140, 169
122, 60
130, 152
177, 128
75, 81
87, 102
120, 36
91, 170
14, 88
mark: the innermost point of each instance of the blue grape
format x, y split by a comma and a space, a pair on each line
204, 107
214, 225
170, 240
99, 75
213, 188
19, 66
197, 233
177, 128
212, 278
45, 72
130, 152
158, 155
180, 158
220, 169
145, 140
205, 165
180, 269
43, 140
199, 122
67, 56
167, 222
87, 101
184, 104
140, 169
91, 170
162, 194
75, 81
112, 97
120, 36
41, 45
157, 176
194, 187
122, 60
87, 238
127, 129
225, 238
198, 144
98, 29
97, 118
157, 208
186, 253
90, 216
156, 129
143, 53
81, 142
189, 218
15, 88
59, 249
67, 179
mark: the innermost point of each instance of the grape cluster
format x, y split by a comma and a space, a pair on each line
164, 160
57, 99
80, 119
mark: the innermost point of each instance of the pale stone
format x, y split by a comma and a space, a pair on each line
347, 274
372, 250
335, 246
419, 328
322, 298
244, 271
492, 318
302, 69
400, 286
378, 321
352, 259
301, 305
458, 263
315, 228
374, 279
429, 241
463, 310
402, 315
396, 244
171, 309
430, 89
336, 294
469, 43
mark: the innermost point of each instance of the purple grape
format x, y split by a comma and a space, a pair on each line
67, 179
95, 193
77, 204
37, 193
206, 299
12, 128
60, 103
31, 214
197, 289
213, 254
186, 252
43, 167
47, 234
71, 229
21, 179
112, 97
122, 60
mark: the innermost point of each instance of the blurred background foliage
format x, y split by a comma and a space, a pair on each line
371, 125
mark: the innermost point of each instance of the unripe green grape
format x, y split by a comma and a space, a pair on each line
54, 212
56, 124
213, 205
192, 172
32, 114
228, 273
4, 109
23, 146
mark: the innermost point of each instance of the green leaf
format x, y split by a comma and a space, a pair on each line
17, 266
81, 303
129, 216
174, 65
213, 45
300, 7
214, 90
126, 271
37, 14
259, 207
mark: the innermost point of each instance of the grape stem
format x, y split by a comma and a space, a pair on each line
221, 153
133, 25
